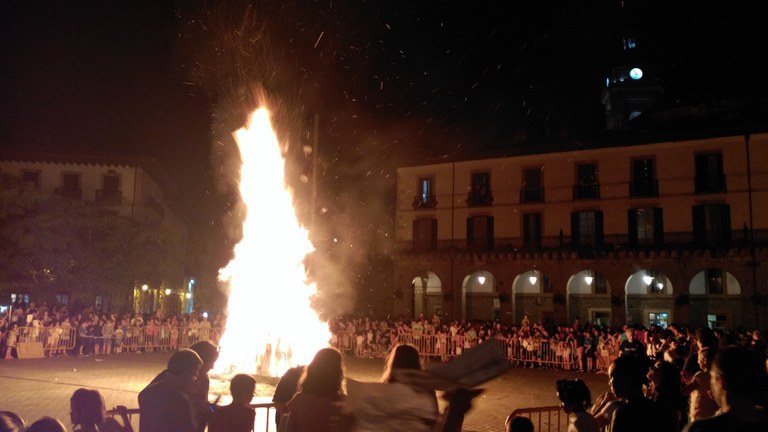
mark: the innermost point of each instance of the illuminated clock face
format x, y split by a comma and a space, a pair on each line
636, 73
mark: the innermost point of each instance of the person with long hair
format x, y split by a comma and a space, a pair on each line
666, 388
88, 413
317, 406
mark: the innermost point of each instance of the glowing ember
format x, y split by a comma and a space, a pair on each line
270, 323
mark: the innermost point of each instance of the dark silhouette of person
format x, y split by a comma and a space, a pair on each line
635, 412
88, 413
739, 385
518, 424
317, 405
47, 424
165, 405
237, 416
198, 389
284, 391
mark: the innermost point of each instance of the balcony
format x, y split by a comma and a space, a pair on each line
645, 188
531, 195
476, 199
70, 193
707, 184
424, 202
586, 191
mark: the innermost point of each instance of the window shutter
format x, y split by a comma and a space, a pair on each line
433, 235
575, 228
632, 225
599, 237
725, 217
699, 225
658, 225
470, 232
489, 235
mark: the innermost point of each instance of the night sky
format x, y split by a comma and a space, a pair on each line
392, 82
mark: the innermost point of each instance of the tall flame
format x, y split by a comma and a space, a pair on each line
271, 325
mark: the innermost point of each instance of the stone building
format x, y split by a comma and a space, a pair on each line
645, 232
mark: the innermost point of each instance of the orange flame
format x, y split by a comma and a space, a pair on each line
271, 325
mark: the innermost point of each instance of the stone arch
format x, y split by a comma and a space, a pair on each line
479, 296
530, 296
699, 283
588, 297
648, 298
427, 294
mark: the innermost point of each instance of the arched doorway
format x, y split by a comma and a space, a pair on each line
588, 298
479, 297
649, 299
427, 295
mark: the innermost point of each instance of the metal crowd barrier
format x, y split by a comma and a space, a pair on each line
265, 415
52, 341
521, 352
545, 419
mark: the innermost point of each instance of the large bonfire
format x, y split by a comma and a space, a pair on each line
271, 325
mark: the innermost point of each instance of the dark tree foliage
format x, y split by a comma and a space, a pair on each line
50, 245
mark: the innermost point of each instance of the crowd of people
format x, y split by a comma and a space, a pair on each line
670, 378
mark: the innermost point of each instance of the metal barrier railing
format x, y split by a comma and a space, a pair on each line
442, 347
544, 419
265, 413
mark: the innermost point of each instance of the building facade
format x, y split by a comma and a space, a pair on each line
135, 188
650, 233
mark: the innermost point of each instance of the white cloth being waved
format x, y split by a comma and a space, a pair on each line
391, 407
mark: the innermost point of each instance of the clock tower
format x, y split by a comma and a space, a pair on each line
631, 87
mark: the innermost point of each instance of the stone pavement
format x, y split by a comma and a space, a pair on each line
36, 387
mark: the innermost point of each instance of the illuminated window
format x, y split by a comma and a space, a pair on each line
425, 197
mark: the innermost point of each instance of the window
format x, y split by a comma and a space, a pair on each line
715, 284
62, 299
654, 280
717, 321
532, 229
101, 302
660, 319
587, 186
601, 318
599, 284
20, 298
712, 224
480, 192
30, 179
425, 197
644, 182
532, 190
110, 187
70, 186
480, 232
587, 228
425, 234
709, 173
646, 225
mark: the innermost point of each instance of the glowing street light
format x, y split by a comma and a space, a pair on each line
481, 279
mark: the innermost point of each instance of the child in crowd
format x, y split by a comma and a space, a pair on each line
237, 416
699, 389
